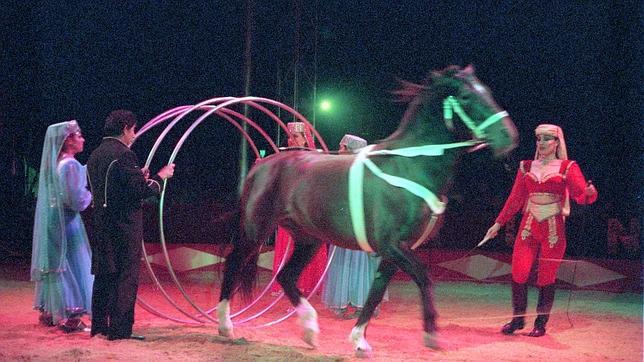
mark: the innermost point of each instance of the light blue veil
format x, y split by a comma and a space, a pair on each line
49, 237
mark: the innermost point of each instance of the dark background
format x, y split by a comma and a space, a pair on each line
575, 64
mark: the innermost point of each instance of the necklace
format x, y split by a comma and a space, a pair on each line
545, 161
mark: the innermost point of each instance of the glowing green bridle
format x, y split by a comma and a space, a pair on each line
451, 105
356, 171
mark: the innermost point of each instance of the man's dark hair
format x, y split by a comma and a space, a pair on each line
116, 122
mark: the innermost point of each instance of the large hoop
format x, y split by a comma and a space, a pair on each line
220, 107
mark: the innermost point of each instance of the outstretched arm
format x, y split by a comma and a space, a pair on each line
516, 200
581, 191
513, 204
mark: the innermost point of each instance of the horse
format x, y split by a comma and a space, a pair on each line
389, 209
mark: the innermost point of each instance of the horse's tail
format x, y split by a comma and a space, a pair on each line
248, 271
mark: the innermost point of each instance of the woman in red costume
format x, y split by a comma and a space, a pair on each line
299, 138
543, 187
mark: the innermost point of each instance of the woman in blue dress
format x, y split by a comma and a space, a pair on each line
351, 272
61, 259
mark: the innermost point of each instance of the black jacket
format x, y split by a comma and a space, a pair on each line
118, 187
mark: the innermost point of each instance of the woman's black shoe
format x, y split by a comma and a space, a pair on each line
537, 331
539, 326
515, 324
131, 336
71, 325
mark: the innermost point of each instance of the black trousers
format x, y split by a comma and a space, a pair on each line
113, 301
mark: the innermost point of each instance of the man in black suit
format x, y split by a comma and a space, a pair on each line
118, 186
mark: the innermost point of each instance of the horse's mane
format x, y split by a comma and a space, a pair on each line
415, 94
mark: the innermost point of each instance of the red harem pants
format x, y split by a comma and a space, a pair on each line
536, 241
311, 273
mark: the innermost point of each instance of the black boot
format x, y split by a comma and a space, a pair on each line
539, 326
546, 298
519, 303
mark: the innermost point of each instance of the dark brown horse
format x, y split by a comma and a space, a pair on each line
380, 200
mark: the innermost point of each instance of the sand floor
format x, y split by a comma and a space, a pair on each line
585, 326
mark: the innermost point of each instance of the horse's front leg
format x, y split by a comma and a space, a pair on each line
287, 277
408, 262
386, 270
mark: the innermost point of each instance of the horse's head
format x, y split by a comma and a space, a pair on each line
466, 106
472, 102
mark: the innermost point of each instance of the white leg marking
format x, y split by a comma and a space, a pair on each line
225, 323
360, 345
308, 319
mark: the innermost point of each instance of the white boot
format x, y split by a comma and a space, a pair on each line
360, 345
225, 323
308, 319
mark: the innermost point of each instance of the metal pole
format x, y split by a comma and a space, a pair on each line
296, 54
243, 151
315, 63
278, 129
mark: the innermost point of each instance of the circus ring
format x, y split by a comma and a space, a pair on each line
472, 291
186, 305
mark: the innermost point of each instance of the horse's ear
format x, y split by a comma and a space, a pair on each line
469, 70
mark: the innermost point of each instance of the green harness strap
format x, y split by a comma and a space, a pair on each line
356, 171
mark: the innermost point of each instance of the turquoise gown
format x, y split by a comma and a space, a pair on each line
349, 279
61, 255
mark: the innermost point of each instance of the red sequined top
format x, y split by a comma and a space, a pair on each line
526, 184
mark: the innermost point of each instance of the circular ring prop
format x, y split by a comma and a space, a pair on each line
221, 107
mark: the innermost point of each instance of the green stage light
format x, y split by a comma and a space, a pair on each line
325, 105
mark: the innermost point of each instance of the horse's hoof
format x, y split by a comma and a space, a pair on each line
311, 337
225, 325
431, 340
364, 353
308, 319
360, 344
226, 332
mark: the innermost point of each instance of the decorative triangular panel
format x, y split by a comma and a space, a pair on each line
582, 273
184, 259
478, 267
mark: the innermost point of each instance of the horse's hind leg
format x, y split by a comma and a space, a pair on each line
386, 270
288, 276
232, 266
410, 264
240, 268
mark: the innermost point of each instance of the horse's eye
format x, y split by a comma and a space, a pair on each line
466, 96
